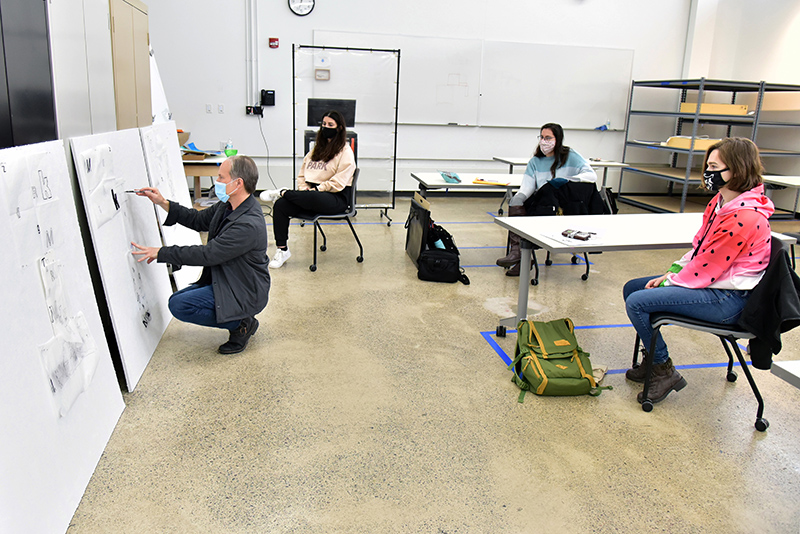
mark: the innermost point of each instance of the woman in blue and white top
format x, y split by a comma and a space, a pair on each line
552, 162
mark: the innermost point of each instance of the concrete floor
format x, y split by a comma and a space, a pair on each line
372, 402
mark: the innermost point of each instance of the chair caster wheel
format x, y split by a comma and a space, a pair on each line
762, 424
500, 331
323, 248
534, 282
731, 377
359, 259
312, 268
548, 262
647, 405
500, 211
584, 277
389, 223
574, 260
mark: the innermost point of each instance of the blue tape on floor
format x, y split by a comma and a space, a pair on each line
490, 339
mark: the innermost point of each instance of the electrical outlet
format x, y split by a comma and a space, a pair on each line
220, 108
254, 110
208, 108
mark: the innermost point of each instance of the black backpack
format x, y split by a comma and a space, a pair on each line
432, 248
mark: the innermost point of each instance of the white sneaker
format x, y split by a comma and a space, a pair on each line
279, 258
270, 195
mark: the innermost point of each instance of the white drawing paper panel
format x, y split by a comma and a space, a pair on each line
138, 329
54, 431
165, 169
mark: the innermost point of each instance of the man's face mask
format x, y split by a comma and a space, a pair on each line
220, 190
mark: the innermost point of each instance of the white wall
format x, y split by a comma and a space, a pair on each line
201, 56
763, 47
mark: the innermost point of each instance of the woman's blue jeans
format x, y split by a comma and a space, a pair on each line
195, 304
714, 305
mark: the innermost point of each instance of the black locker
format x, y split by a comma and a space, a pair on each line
27, 109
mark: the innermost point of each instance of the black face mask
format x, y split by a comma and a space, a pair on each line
328, 133
713, 179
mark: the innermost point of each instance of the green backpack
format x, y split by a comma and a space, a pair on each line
548, 360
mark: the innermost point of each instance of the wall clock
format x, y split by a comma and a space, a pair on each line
301, 7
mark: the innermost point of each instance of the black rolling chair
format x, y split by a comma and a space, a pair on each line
728, 334
791, 248
315, 218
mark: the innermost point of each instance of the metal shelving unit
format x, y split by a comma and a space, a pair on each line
682, 173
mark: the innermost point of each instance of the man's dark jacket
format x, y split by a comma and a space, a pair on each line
235, 253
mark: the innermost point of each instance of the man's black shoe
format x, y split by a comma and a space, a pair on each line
239, 337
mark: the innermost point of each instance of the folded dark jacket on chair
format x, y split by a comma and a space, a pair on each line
772, 308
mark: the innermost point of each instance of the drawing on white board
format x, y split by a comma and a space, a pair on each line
104, 201
158, 160
454, 88
70, 357
98, 165
16, 182
142, 300
105, 189
23, 224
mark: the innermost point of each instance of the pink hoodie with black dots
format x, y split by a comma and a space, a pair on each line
734, 244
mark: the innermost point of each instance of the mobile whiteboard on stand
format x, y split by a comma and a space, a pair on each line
369, 78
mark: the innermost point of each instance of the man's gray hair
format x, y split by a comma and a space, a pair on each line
245, 168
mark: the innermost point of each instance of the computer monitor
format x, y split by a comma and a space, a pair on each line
318, 107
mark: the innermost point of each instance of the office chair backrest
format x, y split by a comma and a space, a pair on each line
351, 208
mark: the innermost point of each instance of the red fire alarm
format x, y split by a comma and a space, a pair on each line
273, 42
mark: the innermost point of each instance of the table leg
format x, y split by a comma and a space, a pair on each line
506, 197
524, 278
197, 191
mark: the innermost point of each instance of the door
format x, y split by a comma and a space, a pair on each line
130, 42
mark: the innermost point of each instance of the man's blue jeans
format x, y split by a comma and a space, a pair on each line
715, 305
195, 304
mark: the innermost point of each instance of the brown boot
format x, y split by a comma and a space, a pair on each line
636, 374
664, 380
513, 255
514, 271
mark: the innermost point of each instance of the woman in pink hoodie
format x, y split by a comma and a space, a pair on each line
729, 255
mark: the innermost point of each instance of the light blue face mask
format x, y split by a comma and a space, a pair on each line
220, 191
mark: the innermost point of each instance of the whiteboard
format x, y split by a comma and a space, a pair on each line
575, 86
502, 84
58, 391
165, 172
107, 165
439, 77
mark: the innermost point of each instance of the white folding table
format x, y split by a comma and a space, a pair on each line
633, 231
434, 180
